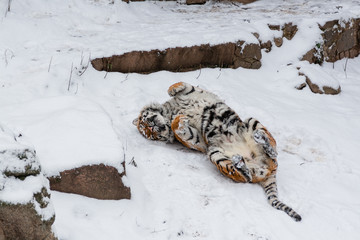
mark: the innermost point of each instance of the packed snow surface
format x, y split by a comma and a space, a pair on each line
74, 116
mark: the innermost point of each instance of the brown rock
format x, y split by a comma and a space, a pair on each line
331, 91
267, 46
96, 181
309, 56
316, 89
182, 58
278, 41
247, 56
289, 30
329, 24
19, 221
192, 2
347, 40
274, 27
300, 86
340, 40
354, 52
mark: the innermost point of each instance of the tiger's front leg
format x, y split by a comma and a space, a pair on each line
187, 135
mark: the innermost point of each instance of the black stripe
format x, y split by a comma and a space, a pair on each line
211, 134
221, 160
216, 151
225, 115
255, 124
269, 185
270, 190
191, 135
272, 196
287, 209
227, 167
197, 139
234, 120
227, 133
191, 91
244, 174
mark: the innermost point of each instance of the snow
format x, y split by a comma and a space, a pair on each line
67, 132
321, 77
178, 193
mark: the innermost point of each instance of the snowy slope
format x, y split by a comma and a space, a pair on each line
178, 193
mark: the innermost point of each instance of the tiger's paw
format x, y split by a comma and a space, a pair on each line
176, 88
241, 167
181, 125
261, 138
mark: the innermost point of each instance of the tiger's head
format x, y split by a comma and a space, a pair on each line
152, 124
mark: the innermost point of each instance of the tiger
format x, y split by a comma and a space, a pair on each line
244, 151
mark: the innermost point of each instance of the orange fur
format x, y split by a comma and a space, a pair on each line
175, 126
226, 167
175, 85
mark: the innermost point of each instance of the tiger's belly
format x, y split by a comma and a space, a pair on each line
253, 158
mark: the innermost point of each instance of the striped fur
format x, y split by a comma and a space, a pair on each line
244, 151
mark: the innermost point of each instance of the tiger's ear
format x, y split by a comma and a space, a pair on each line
135, 121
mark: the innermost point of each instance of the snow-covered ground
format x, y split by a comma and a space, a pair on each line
178, 193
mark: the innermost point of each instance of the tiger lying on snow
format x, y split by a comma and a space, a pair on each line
244, 151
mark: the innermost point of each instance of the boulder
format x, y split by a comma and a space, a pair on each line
96, 181
340, 40
26, 211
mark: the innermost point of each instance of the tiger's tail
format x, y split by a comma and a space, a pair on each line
270, 188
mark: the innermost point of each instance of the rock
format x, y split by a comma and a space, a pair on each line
289, 30
226, 55
278, 41
266, 45
300, 86
274, 27
340, 40
247, 55
193, 2
21, 221
96, 181
318, 81
25, 207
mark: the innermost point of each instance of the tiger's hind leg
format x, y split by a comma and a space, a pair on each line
187, 135
180, 87
234, 168
263, 137
270, 188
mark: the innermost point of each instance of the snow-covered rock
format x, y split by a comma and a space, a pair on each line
26, 211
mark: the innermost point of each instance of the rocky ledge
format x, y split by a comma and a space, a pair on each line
339, 39
180, 59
